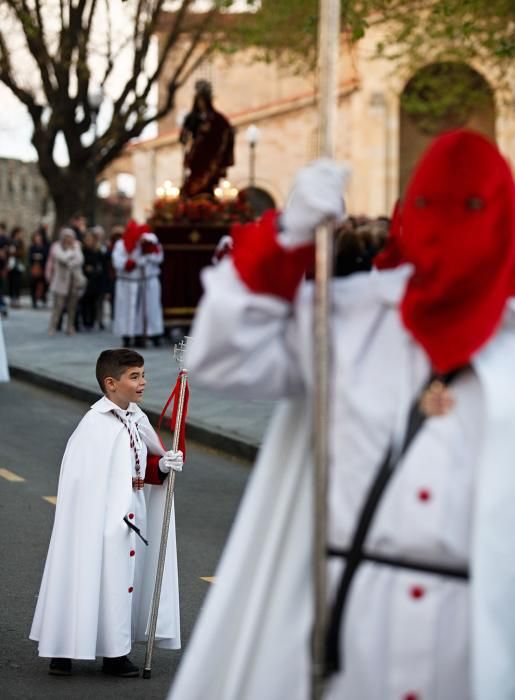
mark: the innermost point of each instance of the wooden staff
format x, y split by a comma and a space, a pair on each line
328, 53
147, 669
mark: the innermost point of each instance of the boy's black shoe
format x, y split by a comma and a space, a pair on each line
120, 666
60, 667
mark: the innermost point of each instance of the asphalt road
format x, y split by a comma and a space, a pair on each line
34, 427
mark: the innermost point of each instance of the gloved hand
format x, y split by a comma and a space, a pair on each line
316, 197
171, 460
130, 265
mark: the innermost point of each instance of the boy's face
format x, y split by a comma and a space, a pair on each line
129, 387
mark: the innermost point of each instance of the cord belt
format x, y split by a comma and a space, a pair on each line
410, 565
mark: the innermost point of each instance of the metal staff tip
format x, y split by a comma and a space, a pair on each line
179, 350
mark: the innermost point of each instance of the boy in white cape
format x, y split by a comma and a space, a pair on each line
99, 574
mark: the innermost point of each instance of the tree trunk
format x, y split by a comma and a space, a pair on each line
72, 194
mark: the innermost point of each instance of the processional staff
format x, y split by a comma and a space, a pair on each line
180, 393
328, 53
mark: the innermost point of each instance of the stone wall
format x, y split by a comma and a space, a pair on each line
24, 197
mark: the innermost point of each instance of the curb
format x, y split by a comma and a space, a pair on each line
195, 432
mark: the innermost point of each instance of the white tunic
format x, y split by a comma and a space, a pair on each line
98, 581
405, 634
138, 309
4, 368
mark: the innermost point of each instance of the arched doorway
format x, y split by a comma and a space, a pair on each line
438, 97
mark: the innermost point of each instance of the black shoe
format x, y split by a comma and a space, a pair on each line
120, 666
126, 341
156, 340
60, 667
140, 342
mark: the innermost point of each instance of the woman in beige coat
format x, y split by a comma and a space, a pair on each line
67, 281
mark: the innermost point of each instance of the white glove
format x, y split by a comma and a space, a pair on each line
171, 460
316, 197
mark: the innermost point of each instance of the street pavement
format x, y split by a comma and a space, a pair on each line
67, 364
35, 426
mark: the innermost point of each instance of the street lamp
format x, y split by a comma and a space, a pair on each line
95, 98
252, 136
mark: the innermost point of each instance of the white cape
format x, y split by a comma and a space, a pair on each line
71, 607
4, 368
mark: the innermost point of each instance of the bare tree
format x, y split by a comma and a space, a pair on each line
73, 47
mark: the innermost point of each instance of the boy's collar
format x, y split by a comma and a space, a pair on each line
105, 405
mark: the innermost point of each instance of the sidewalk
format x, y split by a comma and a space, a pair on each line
67, 364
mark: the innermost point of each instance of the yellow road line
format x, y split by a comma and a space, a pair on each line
209, 579
50, 499
10, 476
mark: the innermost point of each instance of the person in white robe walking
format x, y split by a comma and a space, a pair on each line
99, 575
430, 614
137, 258
4, 367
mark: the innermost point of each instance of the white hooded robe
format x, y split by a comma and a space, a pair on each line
4, 367
406, 634
138, 309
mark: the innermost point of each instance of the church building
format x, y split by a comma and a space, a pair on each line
375, 136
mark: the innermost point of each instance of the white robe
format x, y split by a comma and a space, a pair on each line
4, 367
138, 309
85, 606
450, 502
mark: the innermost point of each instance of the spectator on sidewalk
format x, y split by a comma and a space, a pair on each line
115, 235
37, 261
15, 265
4, 240
67, 280
104, 282
78, 225
43, 230
92, 269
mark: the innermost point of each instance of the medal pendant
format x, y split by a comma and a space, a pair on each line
437, 400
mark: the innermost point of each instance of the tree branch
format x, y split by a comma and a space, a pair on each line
34, 38
140, 52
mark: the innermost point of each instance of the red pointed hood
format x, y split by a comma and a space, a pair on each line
131, 236
458, 230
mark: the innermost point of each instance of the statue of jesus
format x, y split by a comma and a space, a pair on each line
208, 138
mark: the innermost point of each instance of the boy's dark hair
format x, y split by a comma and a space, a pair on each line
113, 363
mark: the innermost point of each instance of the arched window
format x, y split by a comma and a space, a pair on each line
441, 96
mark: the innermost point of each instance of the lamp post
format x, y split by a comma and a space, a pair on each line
95, 99
252, 136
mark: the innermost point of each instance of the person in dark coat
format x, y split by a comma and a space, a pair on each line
15, 265
93, 268
37, 260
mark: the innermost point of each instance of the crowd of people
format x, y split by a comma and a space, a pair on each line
76, 269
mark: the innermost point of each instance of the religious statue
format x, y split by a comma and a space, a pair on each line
208, 138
